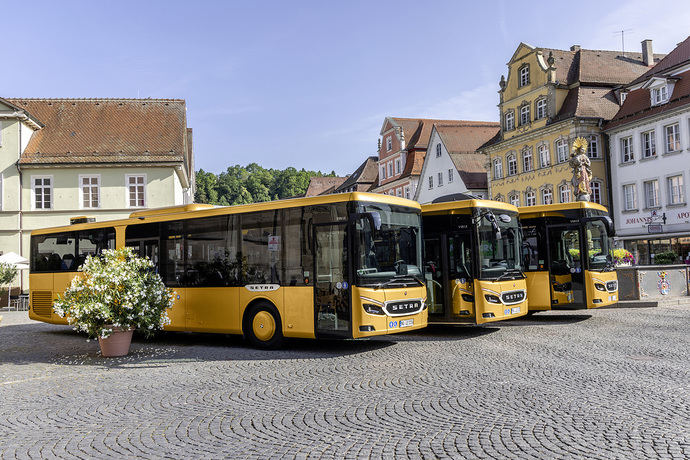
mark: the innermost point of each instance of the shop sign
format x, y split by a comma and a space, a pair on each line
655, 228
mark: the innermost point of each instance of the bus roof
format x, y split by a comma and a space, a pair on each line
204, 210
548, 209
449, 206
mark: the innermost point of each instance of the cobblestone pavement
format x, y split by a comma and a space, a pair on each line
611, 383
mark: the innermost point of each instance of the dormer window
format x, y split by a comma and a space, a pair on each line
659, 95
524, 75
624, 94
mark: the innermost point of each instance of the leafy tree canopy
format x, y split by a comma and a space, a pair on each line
251, 184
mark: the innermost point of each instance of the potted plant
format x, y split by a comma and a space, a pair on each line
623, 258
665, 258
114, 294
8, 273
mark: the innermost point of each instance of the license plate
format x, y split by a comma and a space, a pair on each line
406, 322
514, 310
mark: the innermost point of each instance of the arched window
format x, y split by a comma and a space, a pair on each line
530, 198
509, 120
544, 156
596, 191
546, 195
564, 193
512, 164
514, 199
524, 75
540, 109
524, 114
498, 168
527, 161
562, 150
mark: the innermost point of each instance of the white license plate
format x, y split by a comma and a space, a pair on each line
514, 310
406, 322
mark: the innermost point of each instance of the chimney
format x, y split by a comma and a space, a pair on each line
647, 54
575, 48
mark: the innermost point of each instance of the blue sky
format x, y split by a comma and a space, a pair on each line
304, 83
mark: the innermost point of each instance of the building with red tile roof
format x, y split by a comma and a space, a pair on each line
649, 141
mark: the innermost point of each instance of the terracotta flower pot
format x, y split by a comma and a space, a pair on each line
117, 344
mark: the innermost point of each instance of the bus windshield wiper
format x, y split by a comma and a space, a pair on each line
512, 272
398, 278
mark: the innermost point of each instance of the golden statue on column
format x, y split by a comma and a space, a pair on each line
582, 170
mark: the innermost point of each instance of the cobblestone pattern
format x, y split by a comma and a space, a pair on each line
553, 385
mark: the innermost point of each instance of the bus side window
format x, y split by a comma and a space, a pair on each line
531, 245
261, 247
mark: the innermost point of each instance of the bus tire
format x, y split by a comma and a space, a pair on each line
262, 327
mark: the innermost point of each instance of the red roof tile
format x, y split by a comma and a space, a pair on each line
679, 55
106, 131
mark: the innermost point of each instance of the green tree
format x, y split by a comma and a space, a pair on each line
7, 274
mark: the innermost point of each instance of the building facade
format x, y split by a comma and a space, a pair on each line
650, 160
402, 147
102, 158
550, 98
451, 164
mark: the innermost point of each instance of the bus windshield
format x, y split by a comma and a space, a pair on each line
389, 246
499, 245
598, 245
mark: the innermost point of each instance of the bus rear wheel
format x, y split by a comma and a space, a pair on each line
262, 327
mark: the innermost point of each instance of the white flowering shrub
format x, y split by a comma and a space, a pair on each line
116, 289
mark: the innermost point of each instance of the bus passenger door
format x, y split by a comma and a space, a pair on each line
566, 274
331, 282
460, 276
433, 276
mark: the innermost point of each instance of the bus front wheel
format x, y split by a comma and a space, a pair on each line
262, 327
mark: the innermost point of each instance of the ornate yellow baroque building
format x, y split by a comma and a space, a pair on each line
550, 98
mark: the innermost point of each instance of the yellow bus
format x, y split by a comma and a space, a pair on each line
340, 266
472, 265
567, 256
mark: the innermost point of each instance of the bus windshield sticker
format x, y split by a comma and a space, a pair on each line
274, 243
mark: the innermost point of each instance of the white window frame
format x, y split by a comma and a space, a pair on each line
648, 144
127, 202
390, 169
398, 169
81, 190
659, 95
524, 76
450, 175
629, 199
540, 109
564, 194
627, 154
438, 150
544, 156
593, 141
2, 189
514, 199
624, 94
498, 168
398, 192
562, 150
33, 192
654, 195
439, 179
431, 182
530, 197
595, 185
546, 196
407, 192
389, 143
510, 120
383, 172
524, 115
670, 189
514, 163
527, 160
676, 140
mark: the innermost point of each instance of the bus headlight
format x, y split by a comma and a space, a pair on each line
600, 287
373, 309
492, 298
